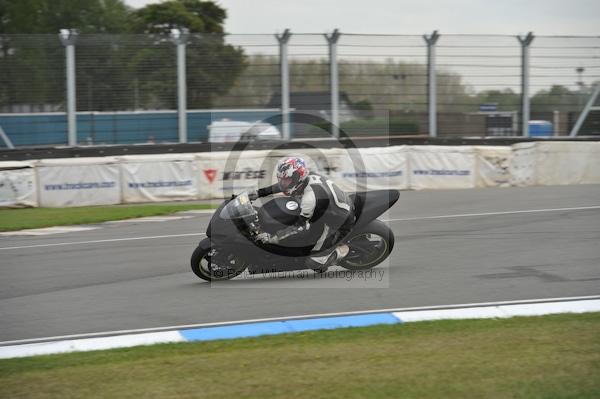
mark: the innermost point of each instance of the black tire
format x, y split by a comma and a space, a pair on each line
201, 252
353, 260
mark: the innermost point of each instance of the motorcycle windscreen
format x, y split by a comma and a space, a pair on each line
239, 208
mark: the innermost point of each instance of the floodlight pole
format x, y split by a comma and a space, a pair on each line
525, 109
179, 38
431, 84
68, 38
586, 110
6, 139
283, 40
334, 82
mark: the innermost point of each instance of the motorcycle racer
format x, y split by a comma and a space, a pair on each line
326, 212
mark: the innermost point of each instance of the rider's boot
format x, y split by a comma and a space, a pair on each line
320, 264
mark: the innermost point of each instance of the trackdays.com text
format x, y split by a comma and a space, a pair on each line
442, 172
80, 186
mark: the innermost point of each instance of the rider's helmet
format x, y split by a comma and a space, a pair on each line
291, 174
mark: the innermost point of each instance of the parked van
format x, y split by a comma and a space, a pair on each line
228, 131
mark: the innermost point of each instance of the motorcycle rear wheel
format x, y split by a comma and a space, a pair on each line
203, 263
369, 247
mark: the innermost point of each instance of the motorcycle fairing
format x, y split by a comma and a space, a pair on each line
368, 205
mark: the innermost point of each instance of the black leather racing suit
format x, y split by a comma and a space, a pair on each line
326, 213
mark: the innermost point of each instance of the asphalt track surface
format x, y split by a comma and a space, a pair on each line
459, 246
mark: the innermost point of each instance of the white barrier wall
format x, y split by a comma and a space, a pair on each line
78, 182
213, 175
441, 167
155, 178
17, 184
567, 163
555, 163
522, 164
492, 166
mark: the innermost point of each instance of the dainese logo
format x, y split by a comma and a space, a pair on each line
246, 174
210, 174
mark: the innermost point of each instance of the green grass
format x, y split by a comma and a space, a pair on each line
31, 218
535, 357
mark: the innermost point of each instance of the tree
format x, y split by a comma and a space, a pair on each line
386, 84
558, 98
114, 71
48, 16
32, 58
197, 16
212, 65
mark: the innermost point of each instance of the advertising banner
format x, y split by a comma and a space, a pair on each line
78, 182
159, 178
373, 169
441, 167
220, 174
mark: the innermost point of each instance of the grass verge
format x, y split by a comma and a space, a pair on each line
32, 218
535, 357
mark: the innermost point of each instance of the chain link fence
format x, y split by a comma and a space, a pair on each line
126, 85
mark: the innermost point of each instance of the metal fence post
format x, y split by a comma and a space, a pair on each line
179, 38
334, 82
68, 37
283, 40
525, 110
431, 85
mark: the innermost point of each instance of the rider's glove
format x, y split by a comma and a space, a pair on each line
253, 195
266, 238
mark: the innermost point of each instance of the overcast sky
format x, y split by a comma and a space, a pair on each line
543, 17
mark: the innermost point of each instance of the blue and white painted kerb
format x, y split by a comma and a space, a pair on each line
254, 328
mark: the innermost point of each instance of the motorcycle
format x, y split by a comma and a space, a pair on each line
230, 247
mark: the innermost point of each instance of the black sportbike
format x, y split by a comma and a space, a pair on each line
230, 247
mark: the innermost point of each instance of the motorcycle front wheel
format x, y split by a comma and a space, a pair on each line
210, 264
369, 247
